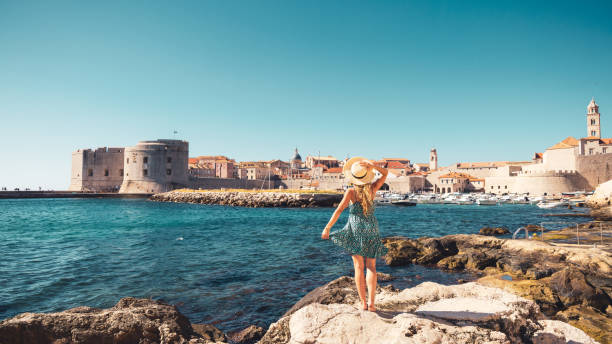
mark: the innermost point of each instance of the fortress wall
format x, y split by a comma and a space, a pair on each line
100, 170
595, 169
406, 184
537, 185
155, 166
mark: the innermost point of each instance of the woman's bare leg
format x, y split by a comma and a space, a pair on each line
360, 279
371, 281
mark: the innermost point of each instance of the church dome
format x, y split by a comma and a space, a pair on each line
296, 156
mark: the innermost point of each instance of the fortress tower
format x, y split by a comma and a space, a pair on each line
155, 166
593, 120
433, 160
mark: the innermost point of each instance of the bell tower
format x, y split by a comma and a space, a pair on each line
433, 160
593, 120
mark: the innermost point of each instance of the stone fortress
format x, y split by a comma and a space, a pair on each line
157, 166
148, 167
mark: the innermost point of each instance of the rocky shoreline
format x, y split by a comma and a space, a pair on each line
528, 291
251, 199
572, 284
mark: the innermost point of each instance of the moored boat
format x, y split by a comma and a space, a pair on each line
548, 205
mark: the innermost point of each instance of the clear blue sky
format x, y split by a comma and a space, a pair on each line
489, 80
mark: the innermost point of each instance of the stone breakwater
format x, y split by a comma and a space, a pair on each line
571, 284
251, 199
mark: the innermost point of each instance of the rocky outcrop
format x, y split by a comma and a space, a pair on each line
602, 197
427, 313
493, 231
600, 202
252, 199
557, 278
130, 321
249, 335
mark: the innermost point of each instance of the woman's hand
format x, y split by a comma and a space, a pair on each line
325, 234
366, 163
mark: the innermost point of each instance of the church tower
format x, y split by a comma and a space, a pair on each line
433, 160
593, 123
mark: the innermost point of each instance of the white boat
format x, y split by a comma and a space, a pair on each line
548, 205
484, 201
382, 201
404, 202
536, 200
464, 200
520, 200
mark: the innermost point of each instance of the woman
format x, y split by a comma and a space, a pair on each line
360, 235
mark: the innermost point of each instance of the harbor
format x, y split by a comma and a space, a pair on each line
482, 199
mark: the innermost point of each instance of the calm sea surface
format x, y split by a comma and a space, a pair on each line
225, 265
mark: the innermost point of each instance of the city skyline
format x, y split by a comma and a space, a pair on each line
478, 81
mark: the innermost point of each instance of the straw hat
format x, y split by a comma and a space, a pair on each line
357, 174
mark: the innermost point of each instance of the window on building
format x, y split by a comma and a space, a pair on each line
145, 172
169, 160
592, 121
603, 150
106, 173
90, 172
121, 172
505, 186
145, 159
499, 187
590, 151
593, 133
127, 160
168, 171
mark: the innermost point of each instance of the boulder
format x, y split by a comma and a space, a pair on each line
558, 332
602, 197
427, 313
493, 231
572, 287
131, 320
249, 335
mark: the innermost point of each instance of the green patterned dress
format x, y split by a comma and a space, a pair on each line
360, 234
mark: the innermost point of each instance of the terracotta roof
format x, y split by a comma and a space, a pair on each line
334, 170
590, 138
395, 164
569, 142
476, 179
320, 165
193, 160
213, 157
538, 155
456, 175
607, 141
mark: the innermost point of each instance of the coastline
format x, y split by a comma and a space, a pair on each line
565, 284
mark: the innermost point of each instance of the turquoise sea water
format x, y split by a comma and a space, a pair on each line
230, 266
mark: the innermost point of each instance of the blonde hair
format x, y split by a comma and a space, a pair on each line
364, 193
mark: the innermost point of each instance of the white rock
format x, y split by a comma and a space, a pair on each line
558, 332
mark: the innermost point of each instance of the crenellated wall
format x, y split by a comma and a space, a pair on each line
97, 170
